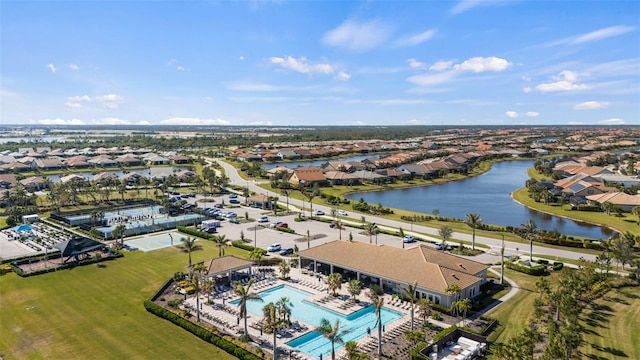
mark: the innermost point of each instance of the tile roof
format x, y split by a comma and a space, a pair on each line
431, 269
225, 264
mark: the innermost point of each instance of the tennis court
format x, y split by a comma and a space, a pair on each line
156, 241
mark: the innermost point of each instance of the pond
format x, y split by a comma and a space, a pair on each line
293, 165
488, 195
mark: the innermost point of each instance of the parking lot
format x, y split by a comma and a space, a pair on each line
262, 235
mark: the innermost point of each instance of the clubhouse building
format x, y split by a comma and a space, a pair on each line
394, 268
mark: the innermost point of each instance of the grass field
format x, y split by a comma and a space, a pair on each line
97, 313
610, 332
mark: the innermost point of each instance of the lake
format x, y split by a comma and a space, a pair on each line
487, 194
293, 165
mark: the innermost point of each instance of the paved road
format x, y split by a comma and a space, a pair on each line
492, 255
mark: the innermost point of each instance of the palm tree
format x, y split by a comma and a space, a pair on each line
453, 289
284, 306
424, 309
195, 282
378, 301
332, 333
272, 324
445, 233
284, 269
208, 286
636, 211
189, 245
607, 207
286, 191
473, 221
370, 229
221, 243
529, 230
245, 294
118, 232
464, 306
410, 293
402, 235
334, 282
353, 352
95, 234
354, 289
256, 255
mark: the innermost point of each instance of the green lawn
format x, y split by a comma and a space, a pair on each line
627, 222
513, 314
612, 331
91, 312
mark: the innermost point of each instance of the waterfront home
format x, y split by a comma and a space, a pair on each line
7, 181
624, 201
34, 183
308, 176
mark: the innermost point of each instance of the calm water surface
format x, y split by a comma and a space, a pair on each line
487, 195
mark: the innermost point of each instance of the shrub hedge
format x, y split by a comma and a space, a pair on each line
200, 332
287, 230
239, 244
194, 232
444, 333
534, 270
557, 266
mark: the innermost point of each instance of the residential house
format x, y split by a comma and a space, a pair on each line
105, 177
156, 160
103, 162
73, 177
180, 159
259, 201
341, 178
77, 162
308, 176
625, 201
133, 178
184, 175
34, 183
128, 160
288, 154
7, 181
15, 167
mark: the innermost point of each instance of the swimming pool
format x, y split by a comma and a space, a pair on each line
313, 343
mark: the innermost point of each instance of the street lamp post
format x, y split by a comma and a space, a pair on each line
255, 236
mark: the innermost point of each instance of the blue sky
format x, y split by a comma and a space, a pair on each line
464, 62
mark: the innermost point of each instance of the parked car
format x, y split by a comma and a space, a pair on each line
286, 251
263, 219
275, 224
282, 225
274, 247
234, 220
219, 205
234, 201
209, 230
408, 239
318, 213
342, 213
233, 196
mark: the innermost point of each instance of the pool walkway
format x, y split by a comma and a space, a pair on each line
220, 313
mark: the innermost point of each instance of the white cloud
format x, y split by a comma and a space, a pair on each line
416, 122
441, 65
248, 86
575, 123
343, 76
241, 58
110, 101
180, 68
261, 123
613, 121
58, 122
526, 89
51, 68
415, 39
302, 65
193, 121
358, 36
432, 79
79, 98
74, 67
113, 121
73, 105
511, 114
565, 81
532, 113
590, 105
480, 64
603, 34
415, 64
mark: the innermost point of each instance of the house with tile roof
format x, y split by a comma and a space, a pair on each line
7, 181
34, 183
392, 268
307, 176
623, 200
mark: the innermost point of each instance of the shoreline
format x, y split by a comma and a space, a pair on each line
563, 216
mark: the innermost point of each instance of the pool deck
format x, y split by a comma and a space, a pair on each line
225, 316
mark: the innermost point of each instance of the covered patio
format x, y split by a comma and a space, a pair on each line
226, 269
